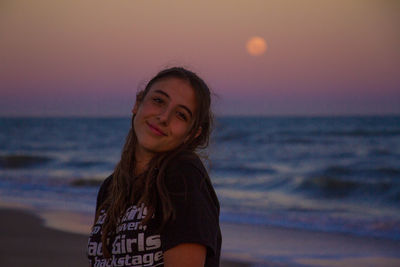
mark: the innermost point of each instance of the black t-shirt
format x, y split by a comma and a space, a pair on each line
196, 221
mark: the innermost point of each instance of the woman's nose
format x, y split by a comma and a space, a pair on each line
163, 116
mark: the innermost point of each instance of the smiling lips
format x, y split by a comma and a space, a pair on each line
156, 130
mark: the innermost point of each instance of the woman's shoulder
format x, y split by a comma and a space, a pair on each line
186, 169
187, 161
187, 175
103, 191
106, 184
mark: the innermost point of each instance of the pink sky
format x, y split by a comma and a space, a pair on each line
78, 57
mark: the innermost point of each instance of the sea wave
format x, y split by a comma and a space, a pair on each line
357, 133
334, 187
389, 171
242, 169
231, 136
378, 172
329, 187
338, 170
22, 161
86, 182
85, 163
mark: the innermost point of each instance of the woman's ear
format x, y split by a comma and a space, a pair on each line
195, 136
198, 132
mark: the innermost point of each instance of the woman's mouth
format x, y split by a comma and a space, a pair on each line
156, 130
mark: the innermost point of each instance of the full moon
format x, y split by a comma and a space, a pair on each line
256, 46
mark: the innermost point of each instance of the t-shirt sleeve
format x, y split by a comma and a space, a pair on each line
196, 209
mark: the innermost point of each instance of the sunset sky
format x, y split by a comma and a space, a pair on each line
88, 58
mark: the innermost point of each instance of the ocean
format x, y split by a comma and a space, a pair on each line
332, 174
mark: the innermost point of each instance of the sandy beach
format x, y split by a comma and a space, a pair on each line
26, 241
30, 240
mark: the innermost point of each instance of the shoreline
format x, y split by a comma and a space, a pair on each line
39, 231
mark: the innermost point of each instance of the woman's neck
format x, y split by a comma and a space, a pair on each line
142, 161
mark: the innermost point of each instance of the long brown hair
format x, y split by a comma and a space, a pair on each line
149, 188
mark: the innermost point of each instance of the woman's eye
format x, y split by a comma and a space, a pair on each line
158, 100
182, 116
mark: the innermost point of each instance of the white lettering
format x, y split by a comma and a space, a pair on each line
136, 260
148, 259
92, 248
141, 241
158, 256
117, 245
129, 243
95, 230
153, 242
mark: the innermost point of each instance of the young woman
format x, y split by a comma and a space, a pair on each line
159, 208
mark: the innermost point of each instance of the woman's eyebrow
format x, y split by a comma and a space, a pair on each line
166, 95
162, 92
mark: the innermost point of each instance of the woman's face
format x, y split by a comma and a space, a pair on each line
164, 117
